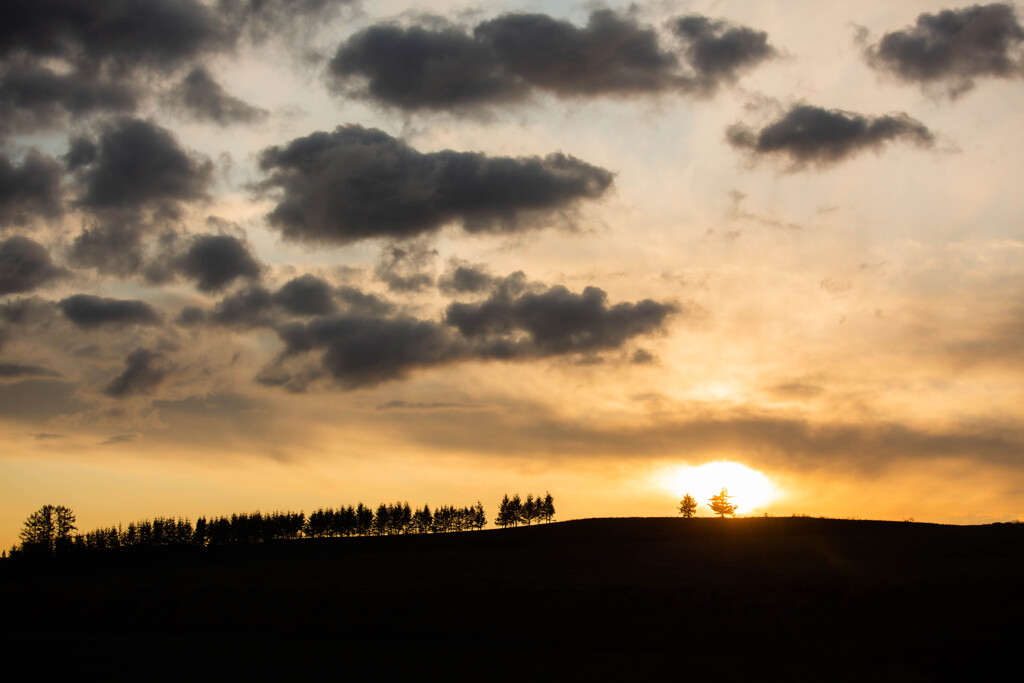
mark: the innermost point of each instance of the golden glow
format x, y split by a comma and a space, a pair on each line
748, 488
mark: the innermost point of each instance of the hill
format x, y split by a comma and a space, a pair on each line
598, 595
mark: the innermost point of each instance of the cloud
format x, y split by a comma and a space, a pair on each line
611, 55
17, 370
202, 98
35, 98
555, 321
306, 295
465, 278
807, 134
953, 48
403, 268
357, 183
215, 261
361, 350
30, 190
118, 34
25, 265
138, 163
509, 57
145, 370
246, 308
114, 248
88, 311
718, 52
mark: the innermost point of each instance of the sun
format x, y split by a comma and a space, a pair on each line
748, 488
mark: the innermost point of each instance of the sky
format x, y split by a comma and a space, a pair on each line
267, 255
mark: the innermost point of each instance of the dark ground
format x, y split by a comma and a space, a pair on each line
775, 598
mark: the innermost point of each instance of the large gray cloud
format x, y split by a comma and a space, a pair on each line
552, 322
202, 98
88, 311
121, 34
813, 135
215, 261
954, 47
517, 321
137, 164
30, 190
509, 57
144, 371
306, 295
356, 183
25, 265
34, 98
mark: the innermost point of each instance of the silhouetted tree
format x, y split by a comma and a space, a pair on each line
47, 531
688, 506
720, 503
548, 508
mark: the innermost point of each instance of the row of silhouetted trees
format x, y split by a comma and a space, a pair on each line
50, 530
515, 511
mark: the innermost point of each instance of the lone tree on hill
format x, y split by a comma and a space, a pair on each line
688, 506
721, 505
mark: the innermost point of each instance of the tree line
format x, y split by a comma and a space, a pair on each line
514, 511
50, 531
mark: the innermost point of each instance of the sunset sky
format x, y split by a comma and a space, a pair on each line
270, 255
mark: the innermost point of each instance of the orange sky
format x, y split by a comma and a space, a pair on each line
808, 260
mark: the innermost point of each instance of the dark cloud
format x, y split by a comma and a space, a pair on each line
9, 370
215, 261
303, 296
34, 98
246, 308
403, 268
145, 370
202, 98
611, 55
463, 278
509, 57
114, 248
25, 265
358, 302
306, 295
356, 183
813, 135
138, 164
553, 322
954, 47
88, 311
417, 68
718, 51
360, 350
119, 34
31, 190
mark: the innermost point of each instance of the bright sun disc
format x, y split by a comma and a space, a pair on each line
748, 488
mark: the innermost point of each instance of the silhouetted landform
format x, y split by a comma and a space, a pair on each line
775, 597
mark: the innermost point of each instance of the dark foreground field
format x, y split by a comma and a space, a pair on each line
806, 598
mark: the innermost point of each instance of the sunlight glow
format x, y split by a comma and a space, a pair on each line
748, 488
